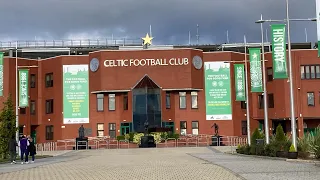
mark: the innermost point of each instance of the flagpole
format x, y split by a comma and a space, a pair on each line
265, 94
247, 91
17, 105
293, 118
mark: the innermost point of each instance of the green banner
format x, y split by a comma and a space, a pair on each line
1, 73
279, 53
255, 70
218, 91
75, 94
239, 82
23, 88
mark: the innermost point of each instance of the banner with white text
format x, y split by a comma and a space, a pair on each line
23, 88
279, 51
239, 78
255, 70
218, 91
75, 94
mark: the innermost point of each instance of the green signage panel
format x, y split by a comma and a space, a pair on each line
279, 51
218, 91
75, 94
23, 88
1, 73
239, 77
255, 70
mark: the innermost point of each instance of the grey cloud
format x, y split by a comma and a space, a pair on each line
171, 20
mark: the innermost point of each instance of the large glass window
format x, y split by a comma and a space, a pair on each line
112, 102
182, 100
100, 98
112, 130
194, 100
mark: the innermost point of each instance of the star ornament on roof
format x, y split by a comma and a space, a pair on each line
147, 40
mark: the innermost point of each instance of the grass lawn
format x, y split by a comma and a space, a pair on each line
2, 161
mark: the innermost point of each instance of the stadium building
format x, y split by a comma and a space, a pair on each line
113, 90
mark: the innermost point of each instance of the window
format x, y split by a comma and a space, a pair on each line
310, 99
243, 105
49, 106
244, 127
125, 101
307, 72
310, 71
195, 127
112, 102
32, 81
260, 101
100, 130
22, 110
32, 107
313, 72
49, 80
168, 103
318, 72
182, 100
270, 101
183, 128
112, 130
269, 74
100, 98
49, 132
194, 100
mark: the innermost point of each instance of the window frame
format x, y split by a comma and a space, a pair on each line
194, 94
244, 128
270, 103
110, 97
125, 101
49, 83
49, 134
100, 97
195, 128
52, 106
183, 95
33, 80
314, 103
260, 101
100, 130
33, 103
183, 127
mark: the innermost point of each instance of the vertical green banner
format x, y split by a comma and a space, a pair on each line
255, 70
1, 73
218, 91
75, 94
239, 82
279, 53
23, 88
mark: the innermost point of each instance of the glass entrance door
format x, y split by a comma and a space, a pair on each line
168, 125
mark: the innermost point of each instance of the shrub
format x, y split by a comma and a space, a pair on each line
174, 136
315, 143
247, 149
137, 138
304, 143
156, 136
256, 135
241, 149
280, 136
120, 138
292, 149
127, 137
131, 134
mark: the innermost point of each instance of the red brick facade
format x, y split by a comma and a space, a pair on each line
172, 79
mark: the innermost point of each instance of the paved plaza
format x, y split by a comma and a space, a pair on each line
157, 163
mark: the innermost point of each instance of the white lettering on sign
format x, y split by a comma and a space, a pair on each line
146, 62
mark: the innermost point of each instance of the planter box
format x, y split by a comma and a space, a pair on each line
304, 155
292, 155
282, 154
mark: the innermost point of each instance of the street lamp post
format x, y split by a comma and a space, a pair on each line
292, 114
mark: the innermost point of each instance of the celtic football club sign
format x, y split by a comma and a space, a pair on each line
239, 82
279, 54
255, 70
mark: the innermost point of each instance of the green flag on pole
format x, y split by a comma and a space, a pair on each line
255, 69
318, 24
279, 53
23, 88
239, 82
1, 73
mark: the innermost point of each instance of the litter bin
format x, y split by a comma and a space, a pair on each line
259, 146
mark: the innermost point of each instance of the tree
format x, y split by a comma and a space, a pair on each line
7, 125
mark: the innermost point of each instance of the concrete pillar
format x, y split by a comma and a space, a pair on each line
10, 53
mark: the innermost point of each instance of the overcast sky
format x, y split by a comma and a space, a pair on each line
171, 20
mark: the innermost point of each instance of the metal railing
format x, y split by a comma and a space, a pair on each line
70, 43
